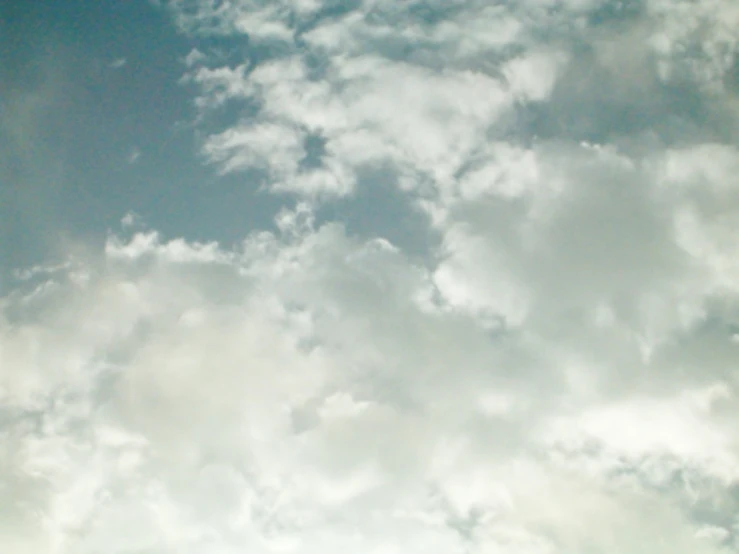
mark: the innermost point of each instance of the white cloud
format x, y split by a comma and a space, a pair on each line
555, 374
430, 122
134, 155
533, 76
293, 395
368, 104
696, 39
194, 58
118, 63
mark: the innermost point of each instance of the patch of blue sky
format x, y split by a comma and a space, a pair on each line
74, 117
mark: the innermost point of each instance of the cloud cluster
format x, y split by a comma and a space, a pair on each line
556, 373
420, 86
309, 393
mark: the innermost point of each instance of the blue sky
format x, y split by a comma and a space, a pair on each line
374, 276
99, 125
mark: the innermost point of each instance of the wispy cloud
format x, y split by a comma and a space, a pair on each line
118, 63
134, 155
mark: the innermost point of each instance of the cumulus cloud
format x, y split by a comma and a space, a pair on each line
312, 392
556, 372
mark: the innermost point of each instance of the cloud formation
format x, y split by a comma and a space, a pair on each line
308, 392
556, 372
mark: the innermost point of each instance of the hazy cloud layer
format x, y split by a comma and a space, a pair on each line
556, 373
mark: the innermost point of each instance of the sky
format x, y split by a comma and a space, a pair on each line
369, 276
